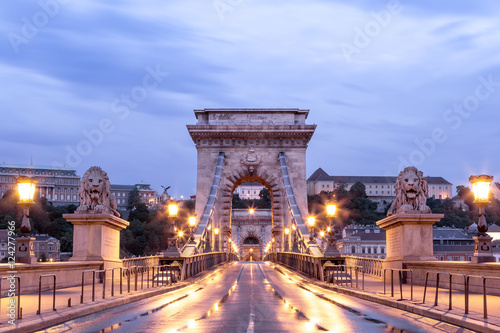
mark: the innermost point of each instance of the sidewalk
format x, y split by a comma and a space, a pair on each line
374, 291
31, 321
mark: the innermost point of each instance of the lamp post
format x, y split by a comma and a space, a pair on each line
25, 250
482, 242
216, 245
192, 224
295, 245
172, 251
331, 250
287, 236
310, 221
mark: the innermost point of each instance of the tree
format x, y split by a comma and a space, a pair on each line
358, 190
265, 198
464, 193
134, 198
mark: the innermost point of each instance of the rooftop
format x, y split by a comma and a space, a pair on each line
321, 175
33, 167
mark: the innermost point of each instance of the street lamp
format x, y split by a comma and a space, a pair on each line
216, 232
251, 210
192, 224
26, 190
25, 249
482, 247
172, 209
310, 221
331, 251
287, 233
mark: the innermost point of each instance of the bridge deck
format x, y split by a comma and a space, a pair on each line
253, 296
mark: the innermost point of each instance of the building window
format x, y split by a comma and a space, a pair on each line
362, 250
374, 250
382, 250
441, 258
455, 258
369, 250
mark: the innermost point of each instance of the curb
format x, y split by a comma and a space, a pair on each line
454, 319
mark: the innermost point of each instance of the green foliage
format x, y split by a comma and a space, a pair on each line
264, 201
43, 257
45, 218
134, 198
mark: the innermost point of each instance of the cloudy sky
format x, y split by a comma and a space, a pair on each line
113, 83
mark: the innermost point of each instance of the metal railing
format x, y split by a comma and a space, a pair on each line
342, 275
39, 311
200, 262
304, 263
401, 278
371, 266
148, 261
19, 309
450, 275
485, 305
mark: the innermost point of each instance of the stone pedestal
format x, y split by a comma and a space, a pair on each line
331, 250
25, 250
483, 251
96, 237
408, 238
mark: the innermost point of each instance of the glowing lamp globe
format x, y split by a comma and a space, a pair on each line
481, 187
173, 208
331, 209
192, 221
26, 189
311, 220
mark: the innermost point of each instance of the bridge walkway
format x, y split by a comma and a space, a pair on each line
253, 297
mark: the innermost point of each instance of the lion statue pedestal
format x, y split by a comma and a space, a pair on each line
97, 223
408, 238
409, 223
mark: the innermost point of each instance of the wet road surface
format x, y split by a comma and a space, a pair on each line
253, 297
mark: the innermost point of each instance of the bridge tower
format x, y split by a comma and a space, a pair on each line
257, 145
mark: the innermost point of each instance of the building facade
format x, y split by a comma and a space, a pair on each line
122, 192
377, 187
59, 185
47, 245
3, 244
367, 241
249, 190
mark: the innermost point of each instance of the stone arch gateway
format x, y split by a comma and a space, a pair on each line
263, 145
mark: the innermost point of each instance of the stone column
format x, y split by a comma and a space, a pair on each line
96, 237
408, 238
25, 250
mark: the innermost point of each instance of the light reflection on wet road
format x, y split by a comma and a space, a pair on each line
252, 297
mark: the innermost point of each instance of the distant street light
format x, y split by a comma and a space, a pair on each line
483, 251
310, 221
216, 232
331, 250
26, 189
192, 224
251, 210
172, 209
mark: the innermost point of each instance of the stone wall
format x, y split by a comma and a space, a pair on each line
68, 274
420, 269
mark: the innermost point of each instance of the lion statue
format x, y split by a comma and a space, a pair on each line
411, 193
94, 192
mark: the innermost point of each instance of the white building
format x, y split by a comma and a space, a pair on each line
366, 241
249, 190
377, 187
59, 185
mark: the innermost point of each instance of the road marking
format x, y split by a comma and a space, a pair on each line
251, 323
